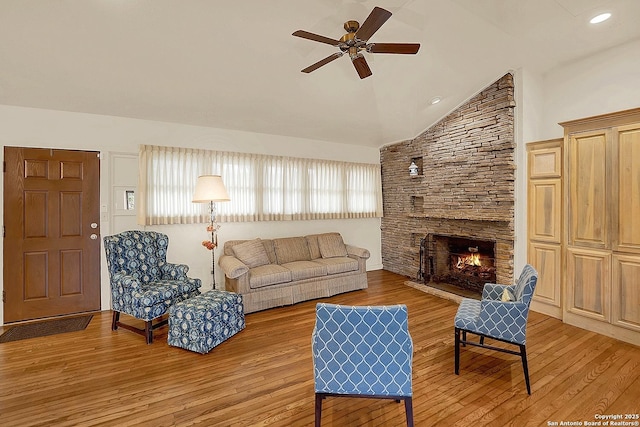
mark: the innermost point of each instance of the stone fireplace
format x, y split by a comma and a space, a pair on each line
461, 197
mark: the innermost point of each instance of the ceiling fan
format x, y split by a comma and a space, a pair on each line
356, 41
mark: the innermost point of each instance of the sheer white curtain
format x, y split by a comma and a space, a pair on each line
261, 187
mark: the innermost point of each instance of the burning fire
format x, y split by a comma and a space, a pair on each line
471, 259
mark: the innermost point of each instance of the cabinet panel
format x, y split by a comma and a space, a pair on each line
588, 210
544, 210
626, 291
546, 259
545, 163
627, 238
588, 283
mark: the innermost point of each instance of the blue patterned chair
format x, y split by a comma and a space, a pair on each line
501, 315
143, 284
362, 352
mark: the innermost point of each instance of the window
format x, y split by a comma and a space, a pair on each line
261, 187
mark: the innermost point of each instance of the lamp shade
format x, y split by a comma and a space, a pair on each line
210, 188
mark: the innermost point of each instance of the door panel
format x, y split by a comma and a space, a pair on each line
626, 291
545, 163
546, 259
545, 211
588, 190
628, 191
51, 265
589, 283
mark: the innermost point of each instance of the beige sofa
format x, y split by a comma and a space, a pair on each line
276, 272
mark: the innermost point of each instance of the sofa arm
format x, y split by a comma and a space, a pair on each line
232, 266
359, 252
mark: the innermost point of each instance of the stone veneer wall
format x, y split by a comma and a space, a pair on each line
465, 185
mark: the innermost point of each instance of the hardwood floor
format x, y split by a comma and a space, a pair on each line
264, 376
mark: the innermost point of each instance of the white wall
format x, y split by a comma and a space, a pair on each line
599, 84
118, 138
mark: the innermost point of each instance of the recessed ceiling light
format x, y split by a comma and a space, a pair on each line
600, 18
435, 100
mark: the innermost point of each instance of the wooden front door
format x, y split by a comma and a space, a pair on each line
52, 236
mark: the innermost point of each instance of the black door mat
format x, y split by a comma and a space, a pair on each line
43, 329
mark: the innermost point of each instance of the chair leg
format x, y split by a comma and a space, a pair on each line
408, 409
148, 331
525, 367
464, 338
481, 340
114, 320
319, 398
457, 351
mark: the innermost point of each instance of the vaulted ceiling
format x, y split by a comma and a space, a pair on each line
235, 64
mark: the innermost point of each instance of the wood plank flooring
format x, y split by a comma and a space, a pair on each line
264, 376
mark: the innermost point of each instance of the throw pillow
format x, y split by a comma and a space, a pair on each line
507, 295
252, 253
290, 249
331, 245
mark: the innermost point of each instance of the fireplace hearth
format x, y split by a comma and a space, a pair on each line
464, 262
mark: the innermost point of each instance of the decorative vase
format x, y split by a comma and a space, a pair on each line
413, 169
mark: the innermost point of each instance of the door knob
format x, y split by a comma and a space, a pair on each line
93, 236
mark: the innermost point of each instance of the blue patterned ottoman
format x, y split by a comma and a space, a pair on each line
204, 321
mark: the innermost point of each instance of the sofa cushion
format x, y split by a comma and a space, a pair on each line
331, 245
271, 251
291, 249
252, 253
305, 269
269, 274
314, 249
337, 265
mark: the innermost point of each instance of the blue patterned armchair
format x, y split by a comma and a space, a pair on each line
362, 352
143, 284
501, 314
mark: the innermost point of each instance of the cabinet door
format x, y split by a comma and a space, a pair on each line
589, 283
546, 259
627, 189
546, 162
626, 291
587, 187
545, 210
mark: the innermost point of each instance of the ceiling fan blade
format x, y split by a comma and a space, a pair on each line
322, 62
404, 48
361, 66
315, 37
374, 21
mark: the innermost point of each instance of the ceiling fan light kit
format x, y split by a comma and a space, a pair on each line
355, 41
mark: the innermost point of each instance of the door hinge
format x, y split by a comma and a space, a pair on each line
3, 231
4, 296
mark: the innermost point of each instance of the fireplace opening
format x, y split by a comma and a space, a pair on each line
462, 262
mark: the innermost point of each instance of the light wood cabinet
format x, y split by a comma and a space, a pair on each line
544, 223
601, 244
